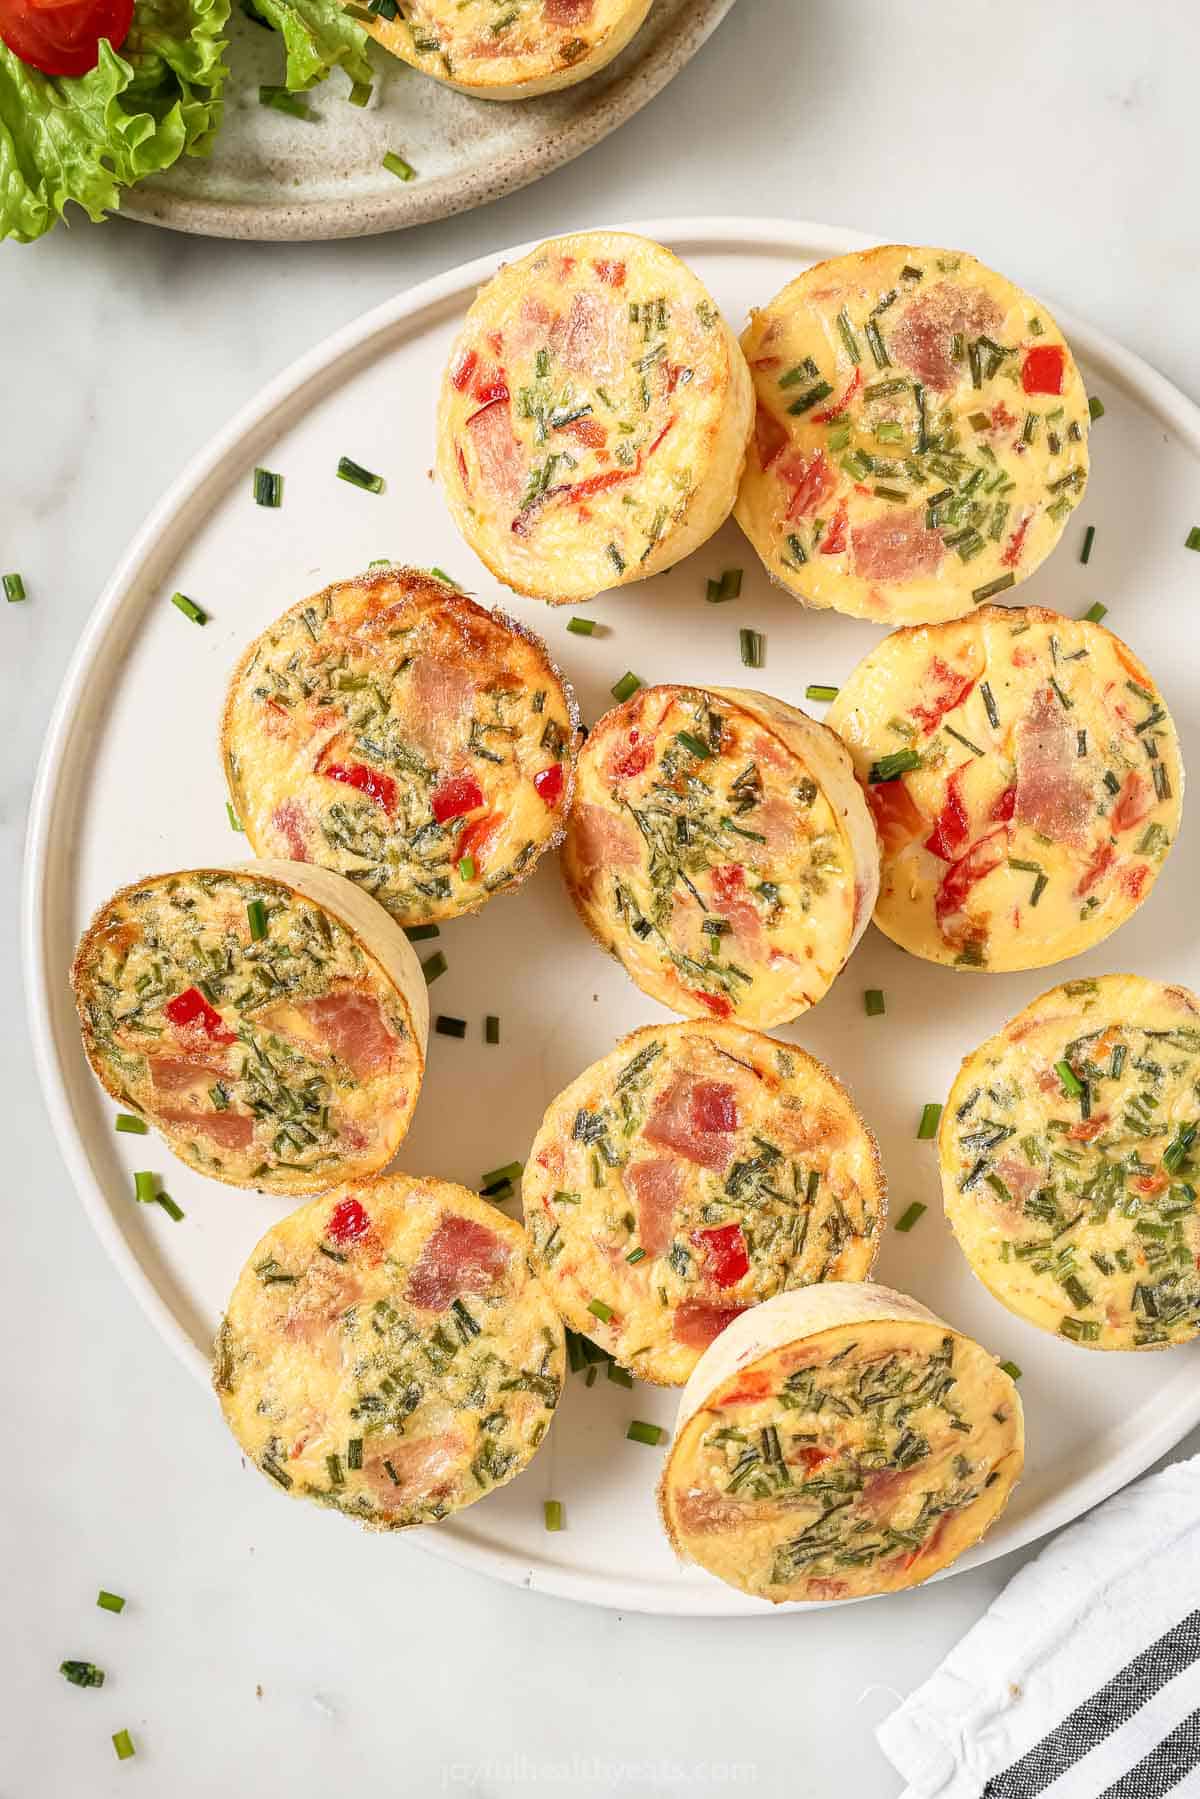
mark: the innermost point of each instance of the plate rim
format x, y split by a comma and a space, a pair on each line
325, 221
688, 236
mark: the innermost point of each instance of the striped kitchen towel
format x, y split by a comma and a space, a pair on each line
1082, 1680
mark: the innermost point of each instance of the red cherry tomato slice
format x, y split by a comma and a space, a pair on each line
62, 37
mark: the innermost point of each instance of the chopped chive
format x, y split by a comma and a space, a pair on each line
128, 1121
360, 93
189, 608
965, 741
499, 1191
418, 933
268, 488
635, 1256
466, 868
168, 1205
145, 1187
14, 588
817, 691
256, 915
599, 1310
281, 99
82, 1674
1039, 887
915, 1212
989, 705
619, 1376
874, 1003
847, 335
358, 476
354, 1452
1011, 1369
439, 574
491, 1028
553, 1512
731, 583
436, 965
581, 627
1095, 407
1176, 1152
1000, 585
509, 1172
752, 645
337, 1476
1095, 613
395, 164
639, 1432
808, 400
890, 768
123, 1744
1089, 538
449, 1027
235, 823
930, 1114
1072, 1085
1192, 540
110, 1602
695, 746
626, 686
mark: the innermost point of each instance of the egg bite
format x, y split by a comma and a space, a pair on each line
508, 52
1026, 781
719, 846
921, 435
695, 1170
269, 1021
839, 1441
594, 417
393, 730
386, 1352
1067, 1164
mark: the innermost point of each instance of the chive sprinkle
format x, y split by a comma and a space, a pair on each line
268, 488
280, 99
727, 588
174, 1212
627, 686
418, 933
1095, 407
694, 745
1071, 1083
553, 1512
128, 1121
395, 164
930, 1114
360, 93
1192, 540
358, 476
189, 608
752, 645
14, 587
123, 1744
110, 1602
581, 627
82, 1674
491, 1028
439, 574
449, 1027
914, 1213
145, 1187
874, 1003
599, 1310
436, 965
1000, 585
235, 823
1011, 1369
509, 1172
1089, 538
256, 916
466, 868
816, 691
635, 1256
619, 1376
890, 768
639, 1432
1095, 613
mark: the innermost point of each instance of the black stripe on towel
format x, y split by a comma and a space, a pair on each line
1164, 1768
1096, 1718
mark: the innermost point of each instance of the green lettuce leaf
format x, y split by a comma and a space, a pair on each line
317, 36
84, 138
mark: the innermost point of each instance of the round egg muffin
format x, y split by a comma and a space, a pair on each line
921, 435
510, 51
839, 1441
695, 1170
393, 730
386, 1352
720, 847
269, 1021
1026, 781
1066, 1151
594, 417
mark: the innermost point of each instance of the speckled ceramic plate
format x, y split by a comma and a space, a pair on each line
275, 177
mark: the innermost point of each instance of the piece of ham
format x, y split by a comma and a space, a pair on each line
697, 1119
229, 1129
567, 12
696, 1323
441, 693
497, 451
593, 344
293, 823
1133, 805
420, 1467
601, 839
922, 337
352, 1024
1051, 795
658, 1186
727, 889
896, 546
460, 1256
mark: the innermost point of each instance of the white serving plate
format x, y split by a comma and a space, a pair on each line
130, 784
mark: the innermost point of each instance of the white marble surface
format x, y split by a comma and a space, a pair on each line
261, 1646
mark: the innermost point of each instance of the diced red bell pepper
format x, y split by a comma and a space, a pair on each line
717, 1003
462, 368
834, 540
725, 1253
459, 794
829, 413
1004, 807
611, 273
1043, 368
475, 837
950, 688
952, 827
191, 1008
549, 784
348, 1221
369, 781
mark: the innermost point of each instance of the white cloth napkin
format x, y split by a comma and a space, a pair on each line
1082, 1680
